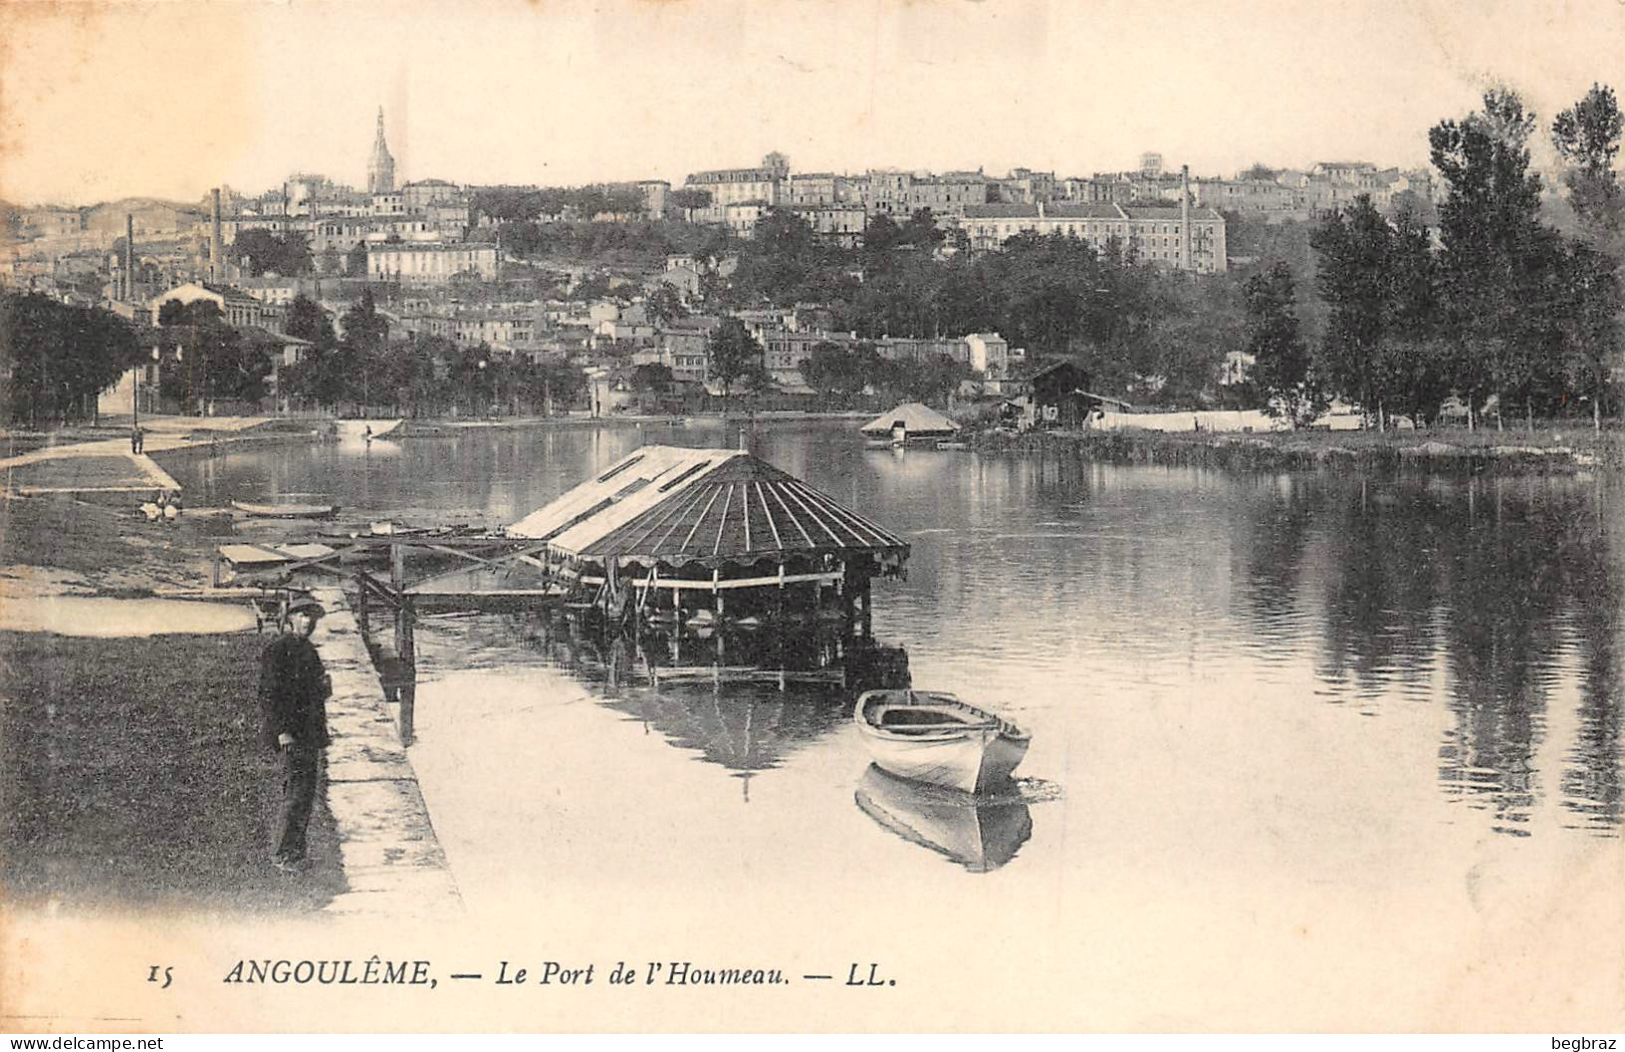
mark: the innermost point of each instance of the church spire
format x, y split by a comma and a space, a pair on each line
381, 168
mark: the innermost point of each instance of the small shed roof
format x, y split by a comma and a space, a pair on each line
919, 419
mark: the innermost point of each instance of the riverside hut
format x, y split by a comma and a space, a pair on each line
916, 420
692, 533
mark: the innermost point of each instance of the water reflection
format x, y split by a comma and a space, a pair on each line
980, 833
1482, 615
742, 700
1496, 594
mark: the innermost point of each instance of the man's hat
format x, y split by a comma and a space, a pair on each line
305, 604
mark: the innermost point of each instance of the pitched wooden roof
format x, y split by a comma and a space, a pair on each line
711, 506
919, 419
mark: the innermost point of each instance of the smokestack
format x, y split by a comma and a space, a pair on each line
129, 258
1185, 217
217, 251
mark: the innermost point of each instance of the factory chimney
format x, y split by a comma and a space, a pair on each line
217, 251
1185, 217
129, 258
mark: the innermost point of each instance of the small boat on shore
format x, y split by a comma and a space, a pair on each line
933, 737
286, 511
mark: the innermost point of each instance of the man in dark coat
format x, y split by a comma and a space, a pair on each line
293, 698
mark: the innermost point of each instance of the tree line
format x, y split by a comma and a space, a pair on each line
1499, 306
56, 359
358, 366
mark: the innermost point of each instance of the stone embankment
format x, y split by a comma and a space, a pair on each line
393, 862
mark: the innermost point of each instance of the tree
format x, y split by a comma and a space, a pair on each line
731, 354
355, 261
211, 359
921, 231
55, 358
1353, 246
1591, 321
263, 251
880, 235
362, 324
1281, 363
690, 198
652, 379
827, 369
938, 377
1587, 137
1489, 226
664, 304
366, 334
306, 321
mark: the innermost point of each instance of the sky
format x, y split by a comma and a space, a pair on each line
100, 101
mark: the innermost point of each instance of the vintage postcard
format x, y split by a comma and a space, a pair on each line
931, 516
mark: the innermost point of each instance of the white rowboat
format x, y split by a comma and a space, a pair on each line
286, 511
933, 737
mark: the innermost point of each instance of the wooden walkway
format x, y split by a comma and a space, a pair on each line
393, 862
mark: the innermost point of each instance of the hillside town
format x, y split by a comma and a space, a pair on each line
627, 314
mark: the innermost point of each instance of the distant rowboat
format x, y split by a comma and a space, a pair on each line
933, 737
286, 511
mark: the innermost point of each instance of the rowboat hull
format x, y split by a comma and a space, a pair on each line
974, 757
286, 511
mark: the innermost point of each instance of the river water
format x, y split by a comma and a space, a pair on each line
1278, 721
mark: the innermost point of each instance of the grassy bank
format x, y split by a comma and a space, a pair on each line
133, 777
130, 769
110, 544
1435, 451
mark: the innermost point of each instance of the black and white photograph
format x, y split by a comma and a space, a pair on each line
812, 516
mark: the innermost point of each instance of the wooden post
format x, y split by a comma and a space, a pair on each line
867, 606
214, 574
397, 565
361, 603
407, 646
849, 598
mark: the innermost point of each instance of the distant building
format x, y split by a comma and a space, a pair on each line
684, 346
53, 222
818, 188
278, 292
655, 192
237, 307
381, 168
1248, 196
388, 204
431, 263
841, 224
419, 195
1154, 234
1030, 185
742, 218
729, 186
923, 349
684, 278
901, 194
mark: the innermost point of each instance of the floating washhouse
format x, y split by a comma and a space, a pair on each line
671, 531
911, 420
